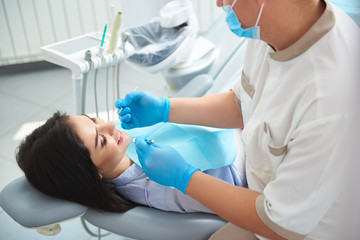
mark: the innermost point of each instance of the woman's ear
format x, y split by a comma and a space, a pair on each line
100, 175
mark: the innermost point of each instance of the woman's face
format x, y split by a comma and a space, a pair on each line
106, 144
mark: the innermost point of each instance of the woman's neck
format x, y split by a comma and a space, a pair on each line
124, 164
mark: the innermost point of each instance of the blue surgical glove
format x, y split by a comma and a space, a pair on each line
163, 164
141, 109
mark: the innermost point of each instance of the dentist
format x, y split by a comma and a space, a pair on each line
296, 102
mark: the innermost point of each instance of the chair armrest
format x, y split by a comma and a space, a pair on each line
149, 223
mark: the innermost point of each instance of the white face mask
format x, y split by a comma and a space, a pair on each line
235, 26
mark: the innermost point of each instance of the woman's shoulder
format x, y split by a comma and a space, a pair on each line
134, 172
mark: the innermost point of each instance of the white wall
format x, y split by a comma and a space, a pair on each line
26, 25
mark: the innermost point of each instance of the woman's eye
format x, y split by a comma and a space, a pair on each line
103, 142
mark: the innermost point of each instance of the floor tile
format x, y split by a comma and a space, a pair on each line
39, 87
13, 112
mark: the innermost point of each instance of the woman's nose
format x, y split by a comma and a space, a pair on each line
100, 120
221, 3
108, 127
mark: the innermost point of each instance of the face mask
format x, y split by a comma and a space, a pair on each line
235, 26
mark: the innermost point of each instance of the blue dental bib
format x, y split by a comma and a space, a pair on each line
202, 147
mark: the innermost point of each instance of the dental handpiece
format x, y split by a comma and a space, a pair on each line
148, 141
115, 33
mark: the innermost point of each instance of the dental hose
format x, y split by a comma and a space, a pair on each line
95, 93
113, 88
118, 80
107, 93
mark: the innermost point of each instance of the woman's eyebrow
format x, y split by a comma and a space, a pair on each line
96, 131
96, 137
86, 116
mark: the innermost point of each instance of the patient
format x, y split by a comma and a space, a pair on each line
84, 160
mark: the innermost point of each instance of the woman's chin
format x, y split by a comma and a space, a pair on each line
126, 139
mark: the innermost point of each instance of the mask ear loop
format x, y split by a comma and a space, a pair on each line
232, 5
261, 9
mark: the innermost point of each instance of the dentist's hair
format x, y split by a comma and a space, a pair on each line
56, 162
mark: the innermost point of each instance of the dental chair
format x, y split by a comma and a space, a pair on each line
219, 70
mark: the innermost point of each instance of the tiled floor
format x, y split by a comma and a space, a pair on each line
28, 97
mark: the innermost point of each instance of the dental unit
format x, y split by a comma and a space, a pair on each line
190, 64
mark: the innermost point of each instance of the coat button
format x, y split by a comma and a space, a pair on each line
268, 204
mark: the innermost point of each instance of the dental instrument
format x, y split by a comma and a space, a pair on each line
148, 141
101, 46
103, 37
115, 33
112, 46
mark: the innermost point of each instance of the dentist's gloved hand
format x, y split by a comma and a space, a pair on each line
163, 164
141, 109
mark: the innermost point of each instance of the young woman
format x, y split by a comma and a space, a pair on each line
85, 160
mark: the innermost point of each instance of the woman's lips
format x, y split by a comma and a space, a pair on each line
120, 137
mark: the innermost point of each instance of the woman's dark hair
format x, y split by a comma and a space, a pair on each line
56, 162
